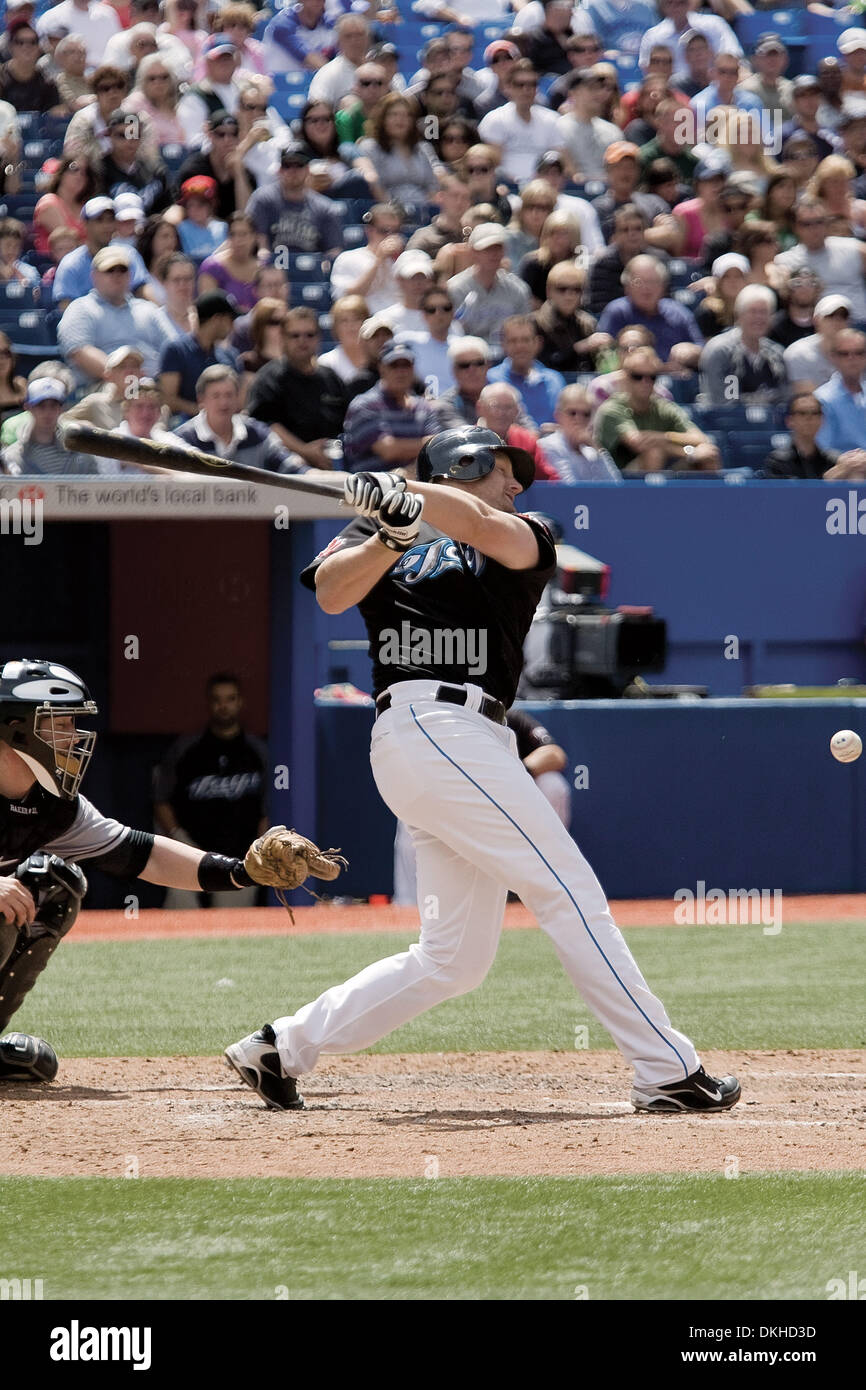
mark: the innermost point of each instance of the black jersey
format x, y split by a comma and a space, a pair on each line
529, 733
215, 787
445, 611
73, 829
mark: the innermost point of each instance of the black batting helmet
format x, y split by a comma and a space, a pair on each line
463, 454
35, 695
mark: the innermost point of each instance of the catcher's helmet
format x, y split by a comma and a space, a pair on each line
37, 698
463, 454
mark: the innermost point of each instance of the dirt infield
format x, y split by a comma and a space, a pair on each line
441, 1114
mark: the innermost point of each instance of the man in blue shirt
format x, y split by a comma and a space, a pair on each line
723, 89
185, 358
537, 386
844, 395
387, 426
300, 38
74, 278
678, 339
108, 318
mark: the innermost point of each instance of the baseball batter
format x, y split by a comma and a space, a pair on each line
447, 601
46, 827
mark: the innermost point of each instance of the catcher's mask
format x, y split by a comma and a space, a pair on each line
40, 704
461, 455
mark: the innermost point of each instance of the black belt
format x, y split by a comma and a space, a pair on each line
454, 695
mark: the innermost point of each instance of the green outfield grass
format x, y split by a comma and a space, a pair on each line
728, 987
751, 1238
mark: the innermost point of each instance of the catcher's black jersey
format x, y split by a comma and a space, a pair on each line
73, 829
444, 611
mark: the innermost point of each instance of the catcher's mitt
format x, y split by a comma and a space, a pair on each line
283, 859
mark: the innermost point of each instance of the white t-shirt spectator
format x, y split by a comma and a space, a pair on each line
522, 142
347, 270
334, 81
96, 24
192, 111
586, 142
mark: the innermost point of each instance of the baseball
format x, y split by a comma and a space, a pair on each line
846, 746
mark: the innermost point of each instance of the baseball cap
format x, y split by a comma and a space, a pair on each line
712, 166
373, 325
294, 156
216, 44
128, 206
214, 302
769, 43
850, 40
805, 83
111, 256
395, 351
123, 354
829, 304
382, 50
851, 111
410, 263
620, 149
730, 261
199, 186
486, 234
551, 159
95, 207
46, 388
120, 117
219, 118
742, 181
500, 46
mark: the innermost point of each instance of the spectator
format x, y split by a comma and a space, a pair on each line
219, 89
396, 162
482, 179
303, 402
431, 345
121, 374
560, 240
794, 320
622, 173
373, 336
499, 59
458, 405
801, 457
679, 23
715, 313
839, 262
13, 388
237, 22
612, 381
538, 386
70, 186
70, 58
155, 95
569, 452
232, 267
156, 240
330, 174
182, 24
547, 47
128, 48
843, 397
778, 208
141, 418
677, 336
852, 129
698, 218
130, 219
369, 87
724, 89
60, 242
457, 136
39, 449
521, 130
769, 62
800, 157
461, 50
744, 358
261, 132
21, 82
73, 278
551, 170
95, 22
642, 127
485, 294
349, 358
644, 433
14, 271
851, 44
336, 78
176, 277
568, 341
300, 38
200, 232
183, 360
387, 56
831, 184
537, 202
457, 255
499, 408
627, 240
220, 428
757, 242
369, 270
581, 132
267, 322
128, 168
87, 135
12, 428
108, 317
210, 790
446, 228
220, 160
806, 96
582, 51
413, 273
288, 216
387, 426
270, 282
660, 67
810, 359
833, 104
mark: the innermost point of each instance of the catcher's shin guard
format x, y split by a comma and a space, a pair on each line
57, 889
25, 1058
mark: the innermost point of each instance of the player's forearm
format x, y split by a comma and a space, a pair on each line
469, 520
173, 864
344, 579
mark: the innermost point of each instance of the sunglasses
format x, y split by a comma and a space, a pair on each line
158, 77
223, 134
479, 168
644, 376
438, 308
501, 58
296, 334
518, 86
370, 82
464, 366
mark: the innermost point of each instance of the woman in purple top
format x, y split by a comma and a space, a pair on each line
232, 267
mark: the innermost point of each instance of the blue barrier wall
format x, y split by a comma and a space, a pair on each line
738, 794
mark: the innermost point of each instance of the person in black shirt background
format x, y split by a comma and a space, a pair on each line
801, 457
209, 789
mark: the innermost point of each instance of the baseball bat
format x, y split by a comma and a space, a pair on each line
87, 439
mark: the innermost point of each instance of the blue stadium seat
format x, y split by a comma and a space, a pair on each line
31, 329
308, 269
288, 103
18, 299
353, 236
315, 296
788, 24
292, 81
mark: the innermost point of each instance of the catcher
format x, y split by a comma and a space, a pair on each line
46, 827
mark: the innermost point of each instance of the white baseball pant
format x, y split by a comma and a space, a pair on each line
481, 827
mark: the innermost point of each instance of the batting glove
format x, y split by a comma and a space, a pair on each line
399, 519
367, 491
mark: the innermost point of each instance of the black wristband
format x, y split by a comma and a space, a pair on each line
219, 874
390, 542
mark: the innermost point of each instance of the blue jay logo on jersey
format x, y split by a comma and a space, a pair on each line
435, 558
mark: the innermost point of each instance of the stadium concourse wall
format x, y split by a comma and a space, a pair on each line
725, 792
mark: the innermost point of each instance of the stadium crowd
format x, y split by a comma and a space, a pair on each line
629, 236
